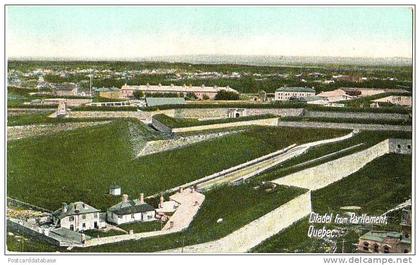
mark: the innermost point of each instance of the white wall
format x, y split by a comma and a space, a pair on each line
323, 175
78, 221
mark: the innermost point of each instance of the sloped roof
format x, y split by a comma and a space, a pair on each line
295, 89
74, 208
151, 101
381, 236
131, 206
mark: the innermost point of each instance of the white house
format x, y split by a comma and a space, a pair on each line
287, 93
78, 216
130, 211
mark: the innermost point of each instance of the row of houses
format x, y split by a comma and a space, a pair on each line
201, 92
79, 216
339, 95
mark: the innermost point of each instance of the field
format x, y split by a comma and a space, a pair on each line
379, 186
82, 164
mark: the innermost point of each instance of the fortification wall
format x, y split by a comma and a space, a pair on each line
320, 176
258, 230
141, 115
350, 126
356, 115
21, 229
160, 126
219, 113
400, 146
261, 122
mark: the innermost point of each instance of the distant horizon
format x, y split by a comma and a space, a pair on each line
124, 33
256, 60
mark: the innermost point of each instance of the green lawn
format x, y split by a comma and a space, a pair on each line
42, 118
18, 243
142, 227
237, 206
379, 186
81, 164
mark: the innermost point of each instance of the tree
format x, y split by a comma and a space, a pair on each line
138, 94
226, 95
190, 96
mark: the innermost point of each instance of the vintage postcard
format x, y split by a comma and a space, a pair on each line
209, 129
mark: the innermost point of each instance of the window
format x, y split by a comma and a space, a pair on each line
399, 146
95, 215
376, 248
83, 216
386, 249
132, 216
72, 227
365, 246
71, 218
84, 225
409, 146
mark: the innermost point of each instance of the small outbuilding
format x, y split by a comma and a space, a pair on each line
130, 211
115, 190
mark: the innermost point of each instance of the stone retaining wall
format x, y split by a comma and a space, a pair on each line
350, 126
254, 233
161, 126
21, 229
110, 114
320, 176
356, 115
221, 113
261, 122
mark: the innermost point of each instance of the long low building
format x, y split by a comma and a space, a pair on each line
200, 92
288, 93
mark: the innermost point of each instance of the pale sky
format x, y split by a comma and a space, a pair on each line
134, 32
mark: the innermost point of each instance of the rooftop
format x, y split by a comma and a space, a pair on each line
381, 236
151, 102
131, 206
74, 208
176, 89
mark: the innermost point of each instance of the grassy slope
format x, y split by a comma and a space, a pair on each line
377, 187
82, 164
236, 205
219, 203
42, 118
368, 138
180, 123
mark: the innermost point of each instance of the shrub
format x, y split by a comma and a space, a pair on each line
226, 95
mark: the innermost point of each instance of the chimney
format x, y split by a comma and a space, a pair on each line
161, 201
64, 207
141, 198
125, 198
